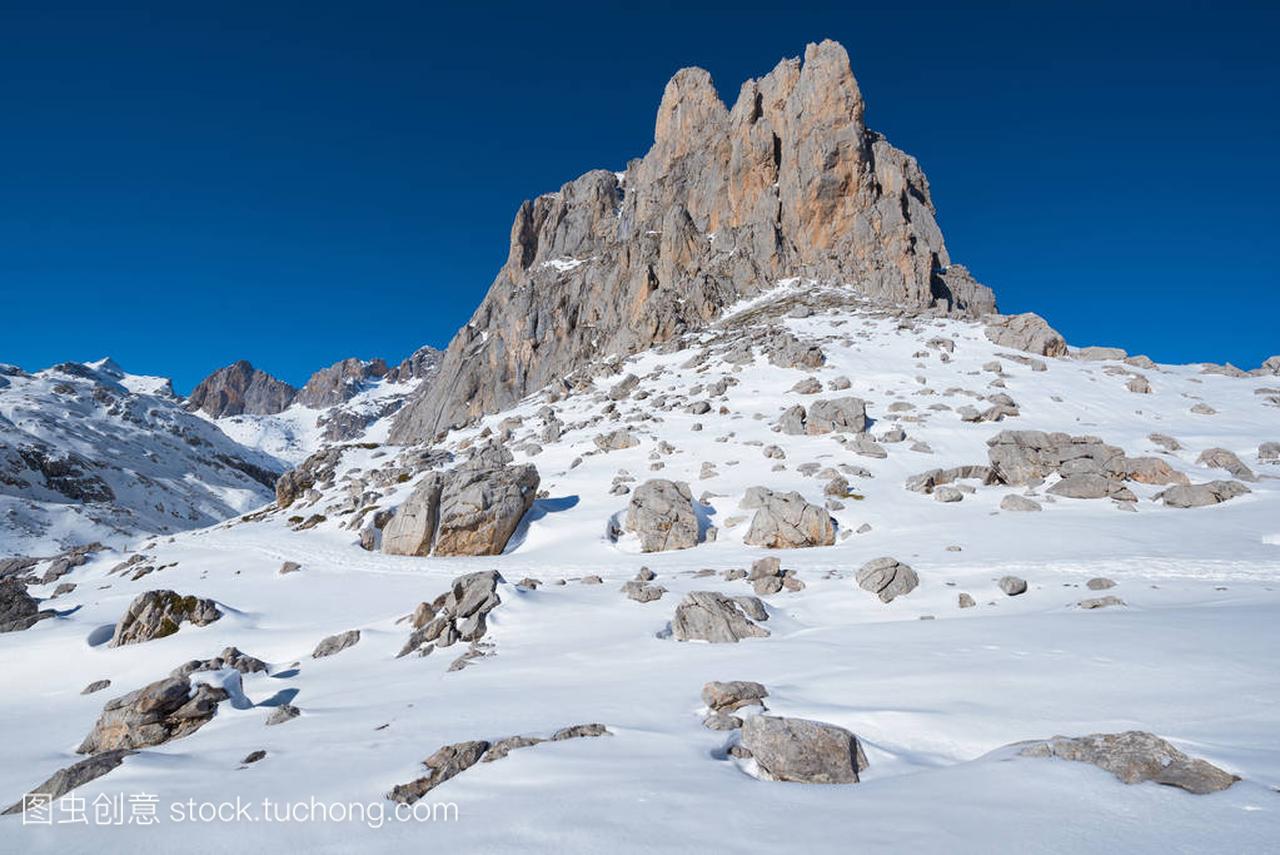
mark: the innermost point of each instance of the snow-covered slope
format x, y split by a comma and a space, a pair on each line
91, 453
363, 413
929, 688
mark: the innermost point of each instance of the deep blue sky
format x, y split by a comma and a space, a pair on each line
293, 184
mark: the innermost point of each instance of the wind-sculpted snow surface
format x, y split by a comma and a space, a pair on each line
1112, 632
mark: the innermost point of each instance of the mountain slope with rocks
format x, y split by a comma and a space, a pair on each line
352, 400
817, 564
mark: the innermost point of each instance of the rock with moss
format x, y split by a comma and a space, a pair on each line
156, 614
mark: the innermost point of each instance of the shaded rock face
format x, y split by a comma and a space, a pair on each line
18, 609
65, 780
661, 513
155, 614
1135, 756
412, 528
240, 388
471, 510
789, 181
887, 578
713, 617
158, 712
480, 509
807, 752
422, 364
1028, 332
787, 521
339, 382
317, 469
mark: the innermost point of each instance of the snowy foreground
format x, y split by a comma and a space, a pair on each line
1191, 656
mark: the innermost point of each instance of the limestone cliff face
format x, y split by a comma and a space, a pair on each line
787, 183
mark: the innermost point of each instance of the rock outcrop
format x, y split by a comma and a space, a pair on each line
18, 609
158, 712
661, 514
77, 774
238, 389
451, 760
788, 182
459, 614
422, 364
1134, 756
339, 382
156, 614
1028, 332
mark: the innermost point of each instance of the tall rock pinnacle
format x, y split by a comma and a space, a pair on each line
787, 183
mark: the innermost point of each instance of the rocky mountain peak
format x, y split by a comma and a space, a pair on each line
238, 389
339, 382
725, 204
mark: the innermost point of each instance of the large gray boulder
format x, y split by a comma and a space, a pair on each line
661, 514
480, 508
471, 510
1269, 452
887, 578
787, 521
713, 617
1028, 332
157, 713
840, 415
1202, 495
789, 180
156, 614
412, 529
807, 752
1134, 756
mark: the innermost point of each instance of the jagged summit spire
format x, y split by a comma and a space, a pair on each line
787, 183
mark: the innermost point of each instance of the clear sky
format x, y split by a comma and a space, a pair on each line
186, 184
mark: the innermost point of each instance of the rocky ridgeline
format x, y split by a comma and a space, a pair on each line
787, 182
241, 389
